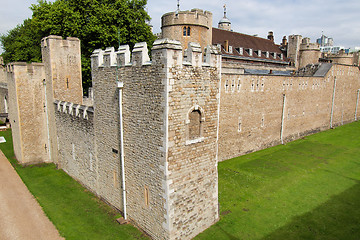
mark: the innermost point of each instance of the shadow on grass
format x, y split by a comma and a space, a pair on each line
338, 218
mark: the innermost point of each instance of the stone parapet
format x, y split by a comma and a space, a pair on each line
139, 55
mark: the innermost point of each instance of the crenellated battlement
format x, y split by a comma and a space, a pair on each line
172, 55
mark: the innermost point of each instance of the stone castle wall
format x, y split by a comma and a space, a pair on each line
164, 167
4, 99
27, 112
76, 142
344, 58
144, 130
3, 91
251, 115
2, 73
193, 106
62, 61
174, 128
63, 67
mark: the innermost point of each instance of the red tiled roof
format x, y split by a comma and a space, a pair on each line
239, 40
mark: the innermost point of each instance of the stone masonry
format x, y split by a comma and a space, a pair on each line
172, 178
188, 26
27, 112
151, 142
62, 61
3, 90
252, 107
32, 89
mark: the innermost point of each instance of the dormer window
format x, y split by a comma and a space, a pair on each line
230, 49
249, 51
259, 53
241, 51
267, 54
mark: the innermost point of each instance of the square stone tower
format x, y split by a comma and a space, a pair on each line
62, 62
27, 112
170, 118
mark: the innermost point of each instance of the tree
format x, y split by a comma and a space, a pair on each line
18, 44
97, 23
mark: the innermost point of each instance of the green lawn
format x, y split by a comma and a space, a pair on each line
307, 189
76, 212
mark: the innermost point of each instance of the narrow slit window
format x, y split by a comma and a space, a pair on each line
239, 124
195, 123
188, 31
146, 196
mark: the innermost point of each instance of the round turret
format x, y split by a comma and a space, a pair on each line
188, 26
225, 23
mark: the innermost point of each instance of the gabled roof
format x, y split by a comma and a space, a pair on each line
239, 40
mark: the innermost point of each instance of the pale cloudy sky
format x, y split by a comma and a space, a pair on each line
336, 18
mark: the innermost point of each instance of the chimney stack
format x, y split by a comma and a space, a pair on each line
226, 45
284, 41
271, 36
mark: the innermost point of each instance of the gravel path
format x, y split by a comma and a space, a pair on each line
21, 217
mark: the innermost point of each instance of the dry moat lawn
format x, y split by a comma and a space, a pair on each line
307, 189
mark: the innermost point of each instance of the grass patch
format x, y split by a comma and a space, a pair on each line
306, 189
75, 212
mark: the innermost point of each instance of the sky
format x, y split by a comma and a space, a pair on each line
338, 19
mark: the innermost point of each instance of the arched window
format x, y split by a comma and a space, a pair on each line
185, 31
194, 124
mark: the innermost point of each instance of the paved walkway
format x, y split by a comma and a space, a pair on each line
21, 217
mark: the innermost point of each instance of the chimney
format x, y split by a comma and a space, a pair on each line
226, 45
271, 36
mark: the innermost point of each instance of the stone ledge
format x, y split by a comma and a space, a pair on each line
74, 109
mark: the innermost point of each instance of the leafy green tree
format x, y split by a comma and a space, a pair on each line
97, 23
20, 44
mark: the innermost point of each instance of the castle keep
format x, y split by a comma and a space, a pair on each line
150, 141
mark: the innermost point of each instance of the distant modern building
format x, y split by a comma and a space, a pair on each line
327, 45
324, 41
354, 49
333, 49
